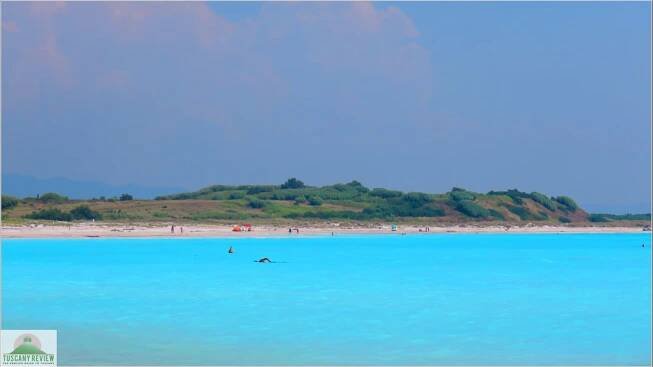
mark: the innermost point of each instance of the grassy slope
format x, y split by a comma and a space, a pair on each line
341, 202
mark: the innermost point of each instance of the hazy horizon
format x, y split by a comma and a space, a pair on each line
548, 97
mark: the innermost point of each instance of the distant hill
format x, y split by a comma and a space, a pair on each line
354, 201
295, 201
24, 186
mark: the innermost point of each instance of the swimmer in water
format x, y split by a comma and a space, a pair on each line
231, 250
263, 260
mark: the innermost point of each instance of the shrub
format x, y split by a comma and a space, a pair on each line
496, 214
392, 210
385, 193
516, 199
51, 197
256, 204
520, 211
643, 217
349, 191
564, 220
314, 201
126, 197
215, 188
351, 186
9, 202
293, 183
492, 192
460, 195
253, 190
472, 209
568, 202
50, 214
83, 212
358, 186
515, 195
428, 212
236, 195
544, 201
283, 195
416, 199
597, 218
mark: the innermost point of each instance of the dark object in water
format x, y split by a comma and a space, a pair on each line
263, 260
231, 250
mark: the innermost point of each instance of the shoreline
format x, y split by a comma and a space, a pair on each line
97, 230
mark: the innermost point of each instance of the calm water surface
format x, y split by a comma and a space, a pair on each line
421, 299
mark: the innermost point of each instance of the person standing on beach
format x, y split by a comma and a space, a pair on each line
172, 229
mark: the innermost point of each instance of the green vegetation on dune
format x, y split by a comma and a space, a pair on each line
461, 195
598, 217
385, 193
472, 209
543, 200
293, 183
294, 200
380, 203
82, 212
567, 203
515, 195
9, 202
564, 220
125, 197
51, 214
51, 197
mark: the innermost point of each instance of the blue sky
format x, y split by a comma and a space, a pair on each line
551, 97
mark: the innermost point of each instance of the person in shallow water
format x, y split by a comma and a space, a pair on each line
263, 260
231, 250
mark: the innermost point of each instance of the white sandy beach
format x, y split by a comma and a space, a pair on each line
118, 230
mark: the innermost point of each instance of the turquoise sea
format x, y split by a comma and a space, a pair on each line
455, 299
